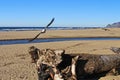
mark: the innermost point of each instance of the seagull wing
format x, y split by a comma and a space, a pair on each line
34, 37
50, 23
42, 30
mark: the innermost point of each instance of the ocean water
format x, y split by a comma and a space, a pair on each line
8, 42
25, 41
39, 28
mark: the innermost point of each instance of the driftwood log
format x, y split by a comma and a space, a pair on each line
87, 65
90, 65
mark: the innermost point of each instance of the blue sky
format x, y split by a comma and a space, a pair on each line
68, 13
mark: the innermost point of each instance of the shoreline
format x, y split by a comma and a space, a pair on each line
59, 38
86, 33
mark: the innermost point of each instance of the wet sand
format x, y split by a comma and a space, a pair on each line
15, 60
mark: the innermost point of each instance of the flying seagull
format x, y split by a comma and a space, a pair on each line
43, 30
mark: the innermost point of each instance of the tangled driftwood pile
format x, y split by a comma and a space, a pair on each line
56, 65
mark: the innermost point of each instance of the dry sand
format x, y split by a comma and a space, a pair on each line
15, 60
114, 32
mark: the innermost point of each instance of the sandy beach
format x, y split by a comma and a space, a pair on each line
15, 60
114, 32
